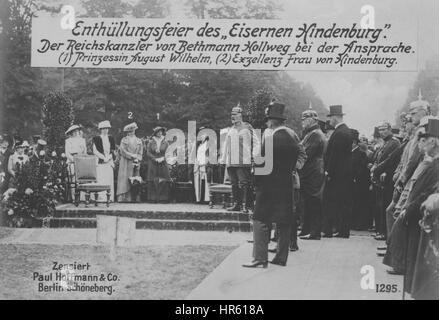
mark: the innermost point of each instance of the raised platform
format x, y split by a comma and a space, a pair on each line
173, 216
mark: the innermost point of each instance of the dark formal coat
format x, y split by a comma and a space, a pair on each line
338, 156
97, 141
155, 169
391, 144
361, 178
312, 174
274, 192
426, 274
424, 186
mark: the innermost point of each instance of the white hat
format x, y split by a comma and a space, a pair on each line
73, 128
104, 125
42, 142
130, 127
25, 144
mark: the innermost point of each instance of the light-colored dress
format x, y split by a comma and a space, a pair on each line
105, 170
200, 174
130, 148
74, 146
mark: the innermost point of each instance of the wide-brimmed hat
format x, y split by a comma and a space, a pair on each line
336, 110
157, 129
275, 110
432, 129
73, 128
42, 142
309, 114
130, 127
104, 125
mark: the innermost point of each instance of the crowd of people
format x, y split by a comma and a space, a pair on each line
326, 181
347, 182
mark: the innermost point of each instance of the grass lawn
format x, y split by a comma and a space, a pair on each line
153, 272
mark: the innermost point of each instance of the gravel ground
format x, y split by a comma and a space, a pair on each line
153, 272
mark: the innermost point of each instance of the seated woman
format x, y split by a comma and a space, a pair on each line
103, 148
130, 150
158, 173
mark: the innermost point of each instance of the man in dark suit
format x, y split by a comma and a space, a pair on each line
360, 175
274, 191
312, 175
337, 197
383, 177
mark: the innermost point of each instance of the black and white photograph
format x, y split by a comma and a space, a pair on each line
219, 150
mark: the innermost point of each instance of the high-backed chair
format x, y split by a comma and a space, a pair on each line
86, 180
222, 189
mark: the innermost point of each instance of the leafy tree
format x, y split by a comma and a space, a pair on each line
57, 117
254, 110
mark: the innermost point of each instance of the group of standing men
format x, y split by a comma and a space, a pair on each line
320, 168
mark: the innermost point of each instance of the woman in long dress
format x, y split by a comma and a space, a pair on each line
103, 148
202, 172
131, 149
158, 173
75, 145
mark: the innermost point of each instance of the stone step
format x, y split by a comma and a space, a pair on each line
165, 215
166, 224
194, 225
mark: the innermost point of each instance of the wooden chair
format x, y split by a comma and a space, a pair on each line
86, 180
222, 189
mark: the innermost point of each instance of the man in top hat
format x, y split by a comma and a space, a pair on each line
425, 185
241, 146
383, 178
312, 175
274, 192
338, 169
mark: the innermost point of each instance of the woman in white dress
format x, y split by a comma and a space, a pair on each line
75, 145
202, 172
103, 148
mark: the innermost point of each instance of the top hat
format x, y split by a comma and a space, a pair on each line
355, 135
275, 111
104, 125
157, 129
73, 128
130, 127
309, 114
336, 110
432, 129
